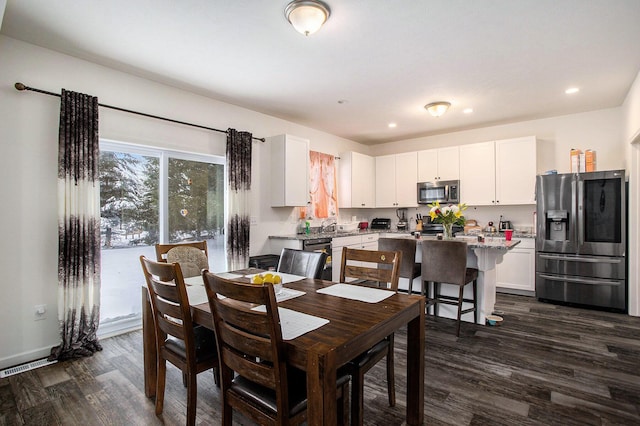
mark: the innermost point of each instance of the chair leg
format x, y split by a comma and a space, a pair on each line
475, 301
357, 399
192, 397
185, 381
436, 296
459, 310
391, 376
161, 377
343, 405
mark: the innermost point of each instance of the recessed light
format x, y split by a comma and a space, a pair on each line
392, 125
467, 110
571, 90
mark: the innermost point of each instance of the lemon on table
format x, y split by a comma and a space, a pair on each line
277, 279
257, 279
267, 278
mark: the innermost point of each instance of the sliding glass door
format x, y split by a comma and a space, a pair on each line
149, 196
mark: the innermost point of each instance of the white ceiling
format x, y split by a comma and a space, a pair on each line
509, 60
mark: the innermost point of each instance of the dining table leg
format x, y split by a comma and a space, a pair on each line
415, 368
322, 406
149, 351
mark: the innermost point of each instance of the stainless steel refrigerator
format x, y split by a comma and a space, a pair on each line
581, 239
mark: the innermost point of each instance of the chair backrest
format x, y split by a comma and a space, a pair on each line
444, 261
169, 303
408, 248
249, 340
309, 264
163, 249
371, 265
192, 256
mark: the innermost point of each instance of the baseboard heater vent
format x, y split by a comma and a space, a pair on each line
25, 367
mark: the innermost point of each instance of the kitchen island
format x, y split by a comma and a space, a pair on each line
481, 255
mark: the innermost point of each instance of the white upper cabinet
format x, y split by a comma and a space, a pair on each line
498, 173
289, 170
516, 170
396, 179
356, 177
477, 174
439, 164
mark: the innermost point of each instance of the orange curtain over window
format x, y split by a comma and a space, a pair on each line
323, 185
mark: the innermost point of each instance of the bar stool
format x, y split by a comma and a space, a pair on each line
409, 269
445, 262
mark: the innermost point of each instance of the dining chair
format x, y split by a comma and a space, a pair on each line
409, 269
190, 349
445, 262
371, 266
308, 264
192, 256
255, 377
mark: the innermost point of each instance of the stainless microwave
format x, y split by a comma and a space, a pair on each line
443, 191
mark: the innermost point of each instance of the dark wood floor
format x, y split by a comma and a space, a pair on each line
545, 365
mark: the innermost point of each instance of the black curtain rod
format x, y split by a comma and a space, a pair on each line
21, 87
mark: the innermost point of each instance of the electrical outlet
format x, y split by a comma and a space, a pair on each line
40, 312
254, 220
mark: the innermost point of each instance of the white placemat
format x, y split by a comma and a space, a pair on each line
294, 324
197, 280
197, 294
356, 292
288, 293
286, 278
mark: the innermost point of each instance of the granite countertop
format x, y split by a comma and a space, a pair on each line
313, 236
492, 240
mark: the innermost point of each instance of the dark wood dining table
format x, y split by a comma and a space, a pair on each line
353, 327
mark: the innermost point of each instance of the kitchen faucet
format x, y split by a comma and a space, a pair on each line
328, 225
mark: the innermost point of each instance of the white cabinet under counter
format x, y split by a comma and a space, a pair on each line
363, 242
516, 273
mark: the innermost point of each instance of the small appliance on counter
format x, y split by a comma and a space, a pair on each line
504, 224
403, 224
363, 225
381, 223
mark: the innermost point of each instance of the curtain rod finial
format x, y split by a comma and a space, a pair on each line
20, 86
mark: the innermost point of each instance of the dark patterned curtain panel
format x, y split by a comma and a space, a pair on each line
78, 227
239, 177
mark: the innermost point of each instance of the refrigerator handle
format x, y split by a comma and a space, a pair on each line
580, 213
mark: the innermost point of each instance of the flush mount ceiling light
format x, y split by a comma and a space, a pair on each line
307, 16
437, 108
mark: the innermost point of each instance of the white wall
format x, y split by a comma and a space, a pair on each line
631, 108
29, 138
600, 130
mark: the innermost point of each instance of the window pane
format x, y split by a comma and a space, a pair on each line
196, 200
129, 228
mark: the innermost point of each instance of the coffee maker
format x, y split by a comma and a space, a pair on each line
403, 224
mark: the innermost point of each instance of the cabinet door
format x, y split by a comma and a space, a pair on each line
386, 181
290, 176
406, 179
363, 180
477, 174
517, 270
449, 163
516, 171
428, 165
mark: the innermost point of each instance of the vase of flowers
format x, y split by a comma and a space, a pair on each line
448, 216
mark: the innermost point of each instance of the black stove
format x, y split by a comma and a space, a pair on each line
437, 228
